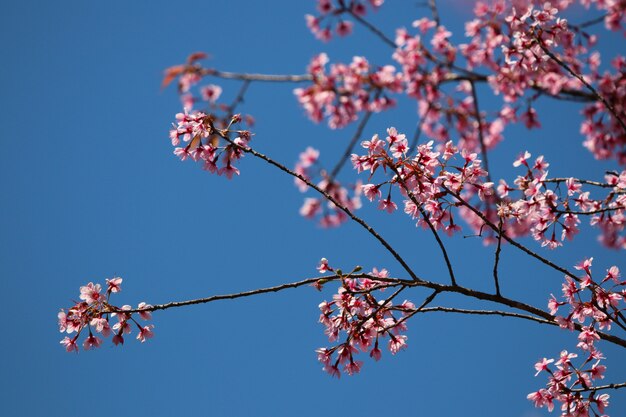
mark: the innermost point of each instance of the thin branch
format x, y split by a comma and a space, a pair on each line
588, 213
433, 8
488, 313
508, 239
239, 98
258, 77
588, 23
372, 29
497, 258
580, 78
481, 137
330, 198
588, 182
442, 247
418, 130
353, 141
600, 387
205, 300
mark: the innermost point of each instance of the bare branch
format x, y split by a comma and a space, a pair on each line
257, 77
330, 198
580, 78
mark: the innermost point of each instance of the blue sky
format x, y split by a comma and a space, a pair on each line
91, 190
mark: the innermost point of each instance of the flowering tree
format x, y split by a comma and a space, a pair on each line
522, 51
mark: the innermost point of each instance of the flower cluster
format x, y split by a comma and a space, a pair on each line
94, 313
551, 214
593, 305
346, 89
202, 142
364, 319
330, 16
432, 182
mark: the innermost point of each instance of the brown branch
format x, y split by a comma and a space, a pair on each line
481, 137
372, 29
205, 300
497, 258
330, 198
600, 387
433, 8
508, 239
442, 247
257, 77
488, 313
239, 98
580, 78
438, 288
353, 141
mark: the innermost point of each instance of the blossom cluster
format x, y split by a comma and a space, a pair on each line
364, 320
202, 140
592, 304
94, 313
509, 48
347, 89
431, 181
550, 209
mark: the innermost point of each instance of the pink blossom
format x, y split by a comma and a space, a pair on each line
145, 333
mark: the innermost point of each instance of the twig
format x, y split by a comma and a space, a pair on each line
239, 98
497, 258
330, 198
487, 313
442, 247
258, 77
481, 137
600, 387
205, 300
353, 141
508, 239
582, 80
433, 8
372, 29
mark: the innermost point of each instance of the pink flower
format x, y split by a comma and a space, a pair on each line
118, 339
90, 292
376, 354
371, 191
344, 28
113, 284
146, 315
542, 365
388, 205
145, 333
69, 344
211, 93
397, 343
92, 342
323, 267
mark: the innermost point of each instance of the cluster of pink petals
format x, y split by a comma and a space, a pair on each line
509, 39
593, 304
364, 321
330, 16
506, 50
93, 316
550, 211
201, 143
427, 179
346, 89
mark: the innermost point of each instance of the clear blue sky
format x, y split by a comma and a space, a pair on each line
90, 189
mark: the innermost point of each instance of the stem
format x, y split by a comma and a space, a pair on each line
343, 208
